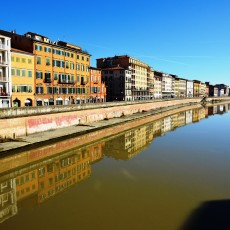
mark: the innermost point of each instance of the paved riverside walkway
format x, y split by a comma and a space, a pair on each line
39, 139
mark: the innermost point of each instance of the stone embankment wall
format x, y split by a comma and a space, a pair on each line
17, 122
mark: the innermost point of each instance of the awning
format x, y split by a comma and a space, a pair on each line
67, 99
46, 100
27, 101
38, 99
59, 99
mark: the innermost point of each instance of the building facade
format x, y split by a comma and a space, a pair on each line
23, 80
118, 83
140, 73
5, 72
157, 85
167, 84
97, 87
189, 88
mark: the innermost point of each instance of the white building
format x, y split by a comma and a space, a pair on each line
189, 88
5, 72
167, 84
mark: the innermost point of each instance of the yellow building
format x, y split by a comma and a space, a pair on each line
22, 72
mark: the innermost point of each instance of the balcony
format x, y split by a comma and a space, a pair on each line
3, 46
65, 81
3, 79
4, 94
47, 80
3, 63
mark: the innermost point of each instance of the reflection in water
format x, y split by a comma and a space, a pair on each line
48, 176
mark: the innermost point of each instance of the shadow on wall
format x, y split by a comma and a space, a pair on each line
211, 215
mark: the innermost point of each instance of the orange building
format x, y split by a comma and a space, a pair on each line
97, 87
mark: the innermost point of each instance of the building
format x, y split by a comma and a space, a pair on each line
182, 88
5, 72
61, 69
167, 86
223, 90
118, 83
97, 87
176, 86
140, 74
23, 81
157, 85
189, 88
151, 83
199, 88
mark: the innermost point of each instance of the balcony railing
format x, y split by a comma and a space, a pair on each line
3, 47
3, 62
4, 94
64, 81
3, 79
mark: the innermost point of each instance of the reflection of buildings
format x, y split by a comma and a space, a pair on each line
130, 143
188, 116
43, 180
8, 203
198, 114
166, 125
181, 119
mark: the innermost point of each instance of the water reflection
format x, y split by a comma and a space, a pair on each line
49, 171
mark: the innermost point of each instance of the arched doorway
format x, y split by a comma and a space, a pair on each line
28, 102
16, 102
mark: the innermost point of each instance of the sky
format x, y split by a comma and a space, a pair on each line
190, 39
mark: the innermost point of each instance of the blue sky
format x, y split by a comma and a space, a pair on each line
188, 38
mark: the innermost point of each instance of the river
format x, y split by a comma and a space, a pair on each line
172, 173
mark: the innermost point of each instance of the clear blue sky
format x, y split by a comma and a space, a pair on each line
189, 38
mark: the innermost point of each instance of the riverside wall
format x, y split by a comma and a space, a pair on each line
17, 122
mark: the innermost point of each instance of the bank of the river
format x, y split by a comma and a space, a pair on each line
14, 145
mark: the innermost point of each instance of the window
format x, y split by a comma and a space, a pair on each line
55, 89
78, 66
23, 73
17, 59
71, 65
67, 64
18, 72
12, 58
39, 90
13, 72
47, 61
38, 75
47, 49
13, 88
30, 73
49, 90
78, 57
55, 76
29, 61
87, 59
23, 60
82, 58
38, 47
39, 60
72, 55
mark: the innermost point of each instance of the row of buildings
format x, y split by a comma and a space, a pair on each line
35, 71
42, 181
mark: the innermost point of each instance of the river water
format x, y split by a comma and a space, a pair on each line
172, 173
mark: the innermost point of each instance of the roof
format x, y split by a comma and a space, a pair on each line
114, 68
20, 51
